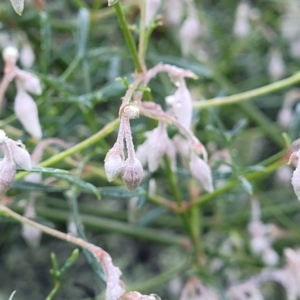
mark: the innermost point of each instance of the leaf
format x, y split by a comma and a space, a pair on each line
85, 186
112, 2
246, 185
24, 185
120, 192
12, 295
83, 30
49, 170
18, 6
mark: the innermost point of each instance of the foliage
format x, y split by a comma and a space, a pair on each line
203, 109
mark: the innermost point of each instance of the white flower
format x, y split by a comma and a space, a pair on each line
202, 172
189, 32
152, 7
182, 105
132, 174
276, 68
27, 112
242, 26
113, 164
27, 56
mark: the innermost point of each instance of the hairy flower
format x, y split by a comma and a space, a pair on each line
202, 172
113, 164
182, 105
132, 173
27, 112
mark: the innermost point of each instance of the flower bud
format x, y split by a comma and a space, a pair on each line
10, 54
296, 175
113, 164
27, 112
132, 174
131, 111
7, 174
202, 172
276, 68
152, 7
30, 82
182, 105
20, 155
27, 56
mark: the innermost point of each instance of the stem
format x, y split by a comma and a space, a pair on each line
128, 37
77, 148
267, 89
142, 37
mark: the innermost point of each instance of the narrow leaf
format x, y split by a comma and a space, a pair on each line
12, 295
18, 6
83, 185
49, 170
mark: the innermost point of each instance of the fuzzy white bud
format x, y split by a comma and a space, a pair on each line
131, 111
132, 174
202, 172
20, 155
27, 112
113, 164
27, 56
30, 82
10, 54
296, 175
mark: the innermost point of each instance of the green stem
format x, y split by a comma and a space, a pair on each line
229, 186
267, 89
128, 37
77, 148
142, 37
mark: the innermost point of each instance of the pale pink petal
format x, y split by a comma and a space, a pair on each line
182, 105
27, 112
202, 172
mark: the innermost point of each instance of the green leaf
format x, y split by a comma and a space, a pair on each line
83, 30
112, 2
18, 6
120, 192
49, 170
246, 185
24, 185
83, 185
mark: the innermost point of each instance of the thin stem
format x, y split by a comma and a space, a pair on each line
267, 89
77, 148
142, 37
128, 37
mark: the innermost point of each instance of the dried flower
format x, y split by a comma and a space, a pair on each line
132, 173
202, 172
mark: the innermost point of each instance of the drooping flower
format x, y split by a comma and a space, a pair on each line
202, 172
132, 173
14, 155
242, 26
156, 145
27, 112
152, 7
113, 164
182, 105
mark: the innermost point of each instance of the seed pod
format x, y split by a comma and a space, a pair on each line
132, 174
